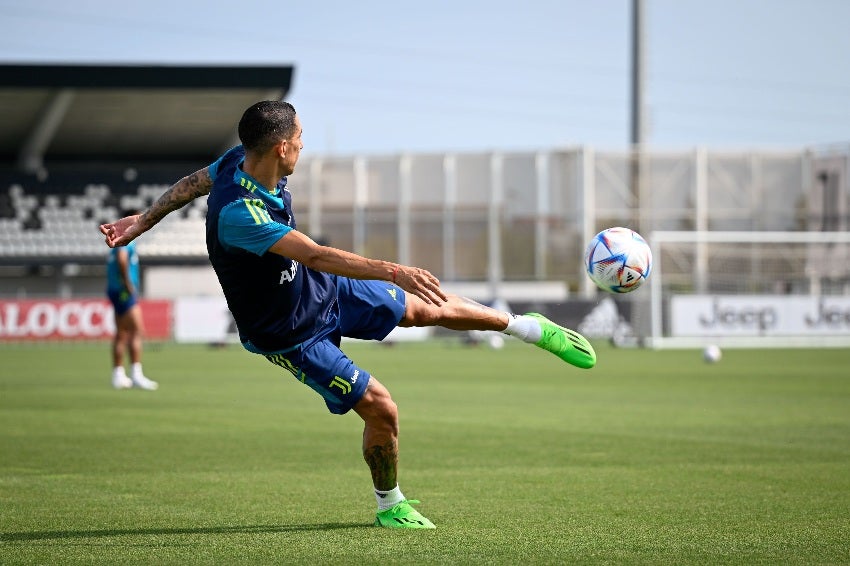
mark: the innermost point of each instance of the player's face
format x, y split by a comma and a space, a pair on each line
292, 149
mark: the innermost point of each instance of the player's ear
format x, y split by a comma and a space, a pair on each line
281, 148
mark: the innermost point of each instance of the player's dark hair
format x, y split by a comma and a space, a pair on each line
265, 124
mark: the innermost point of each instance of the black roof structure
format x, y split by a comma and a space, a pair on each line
113, 112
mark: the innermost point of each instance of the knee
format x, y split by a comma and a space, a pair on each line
386, 416
378, 409
419, 313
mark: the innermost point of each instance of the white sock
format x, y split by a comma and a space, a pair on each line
525, 328
137, 370
118, 371
387, 499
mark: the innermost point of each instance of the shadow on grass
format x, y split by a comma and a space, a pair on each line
247, 529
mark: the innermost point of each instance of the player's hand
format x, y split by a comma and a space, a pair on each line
421, 283
121, 232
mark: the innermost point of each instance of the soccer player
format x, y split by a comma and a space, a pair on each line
294, 299
122, 284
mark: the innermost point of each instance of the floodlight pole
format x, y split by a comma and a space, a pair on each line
637, 110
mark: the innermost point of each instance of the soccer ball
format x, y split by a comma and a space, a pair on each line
618, 260
712, 353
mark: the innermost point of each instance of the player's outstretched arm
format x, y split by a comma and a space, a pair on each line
123, 231
298, 246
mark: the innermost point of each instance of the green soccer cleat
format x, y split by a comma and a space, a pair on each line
403, 516
567, 344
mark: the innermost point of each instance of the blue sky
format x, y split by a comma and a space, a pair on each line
384, 77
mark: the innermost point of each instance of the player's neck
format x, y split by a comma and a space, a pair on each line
266, 171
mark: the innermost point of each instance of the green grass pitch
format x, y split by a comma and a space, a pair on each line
652, 457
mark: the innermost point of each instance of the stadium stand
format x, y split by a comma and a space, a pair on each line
83, 143
56, 219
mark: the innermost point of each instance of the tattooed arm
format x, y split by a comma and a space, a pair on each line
123, 231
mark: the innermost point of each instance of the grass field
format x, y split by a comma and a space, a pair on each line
650, 458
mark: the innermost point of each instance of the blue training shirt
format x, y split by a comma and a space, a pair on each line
114, 281
276, 302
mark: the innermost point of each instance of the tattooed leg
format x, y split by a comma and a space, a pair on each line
380, 434
383, 463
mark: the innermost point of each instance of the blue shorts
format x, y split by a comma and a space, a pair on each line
122, 301
368, 310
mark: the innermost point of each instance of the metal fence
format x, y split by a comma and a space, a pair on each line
527, 216
491, 217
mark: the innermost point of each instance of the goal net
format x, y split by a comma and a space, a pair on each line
749, 289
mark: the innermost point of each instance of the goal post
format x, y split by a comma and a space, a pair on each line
749, 289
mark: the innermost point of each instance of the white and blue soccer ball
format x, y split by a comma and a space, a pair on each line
618, 260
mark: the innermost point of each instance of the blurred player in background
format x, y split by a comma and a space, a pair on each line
294, 299
122, 288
